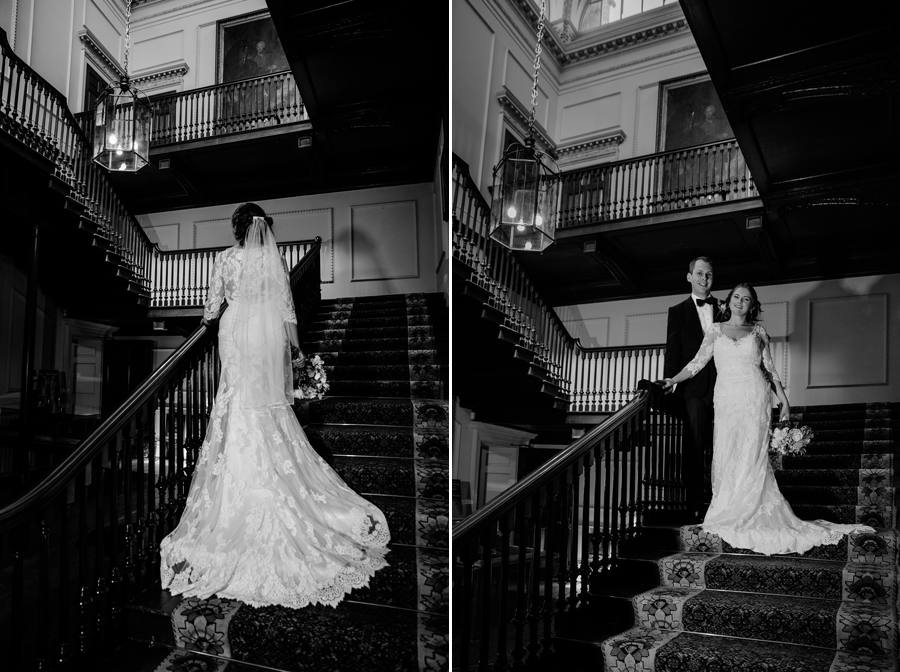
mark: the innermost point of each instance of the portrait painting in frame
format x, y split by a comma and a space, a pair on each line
691, 114
248, 46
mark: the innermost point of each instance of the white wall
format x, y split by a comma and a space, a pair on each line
375, 241
832, 339
493, 48
164, 34
614, 95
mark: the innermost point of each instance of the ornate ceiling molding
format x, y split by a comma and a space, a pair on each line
599, 147
568, 47
518, 116
99, 54
630, 39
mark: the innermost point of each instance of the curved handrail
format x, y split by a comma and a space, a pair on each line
59, 477
553, 467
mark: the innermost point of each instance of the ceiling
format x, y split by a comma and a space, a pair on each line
374, 78
374, 85
811, 92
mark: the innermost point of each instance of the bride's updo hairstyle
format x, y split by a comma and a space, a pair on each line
755, 307
243, 218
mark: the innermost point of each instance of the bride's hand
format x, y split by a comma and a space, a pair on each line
785, 414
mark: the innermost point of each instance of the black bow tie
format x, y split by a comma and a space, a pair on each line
702, 302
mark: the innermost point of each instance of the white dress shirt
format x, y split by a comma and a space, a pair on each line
704, 312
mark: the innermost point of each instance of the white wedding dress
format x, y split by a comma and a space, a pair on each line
747, 508
267, 521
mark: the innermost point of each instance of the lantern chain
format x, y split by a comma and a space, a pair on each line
127, 33
536, 68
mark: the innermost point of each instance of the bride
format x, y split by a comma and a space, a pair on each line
267, 521
747, 508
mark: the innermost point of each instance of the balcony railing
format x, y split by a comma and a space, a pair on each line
180, 278
655, 184
596, 380
223, 109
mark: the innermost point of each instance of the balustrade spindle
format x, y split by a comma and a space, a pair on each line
486, 599
574, 528
43, 601
584, 570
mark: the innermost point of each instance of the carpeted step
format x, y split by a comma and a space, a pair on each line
369, 344
387, 388
347, 637
383, 371
370, 321
825, 447
379, 475
879, 547
834, 477
378, 441
674, 651
833, 494
362, 411
860, 583
393, 331
364, 357
877, 517
839, 461
851, 433
778, 618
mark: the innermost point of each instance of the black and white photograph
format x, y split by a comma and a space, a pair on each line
674, 319
224, 327
449, 336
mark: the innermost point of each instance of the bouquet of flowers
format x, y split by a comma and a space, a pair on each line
310, 381
790, 438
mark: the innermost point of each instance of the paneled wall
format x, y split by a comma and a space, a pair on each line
832, 340
374, 241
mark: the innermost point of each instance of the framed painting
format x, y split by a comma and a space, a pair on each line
248, 46
690, 114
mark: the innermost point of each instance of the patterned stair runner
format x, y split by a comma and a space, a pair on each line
831, 609
384, 428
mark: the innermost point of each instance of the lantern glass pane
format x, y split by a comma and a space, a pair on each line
122, 130
525, 207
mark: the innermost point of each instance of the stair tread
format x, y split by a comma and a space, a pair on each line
722, 652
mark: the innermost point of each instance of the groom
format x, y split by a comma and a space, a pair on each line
684, 332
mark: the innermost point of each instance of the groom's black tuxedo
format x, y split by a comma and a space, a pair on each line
684, 334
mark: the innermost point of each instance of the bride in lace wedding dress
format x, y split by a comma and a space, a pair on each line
747, 508
267, 521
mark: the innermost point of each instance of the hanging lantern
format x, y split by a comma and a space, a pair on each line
526, 185
525, 199
122, 121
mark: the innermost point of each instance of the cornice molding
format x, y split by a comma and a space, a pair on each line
641, 29
160, 76
515, 112
596, 148
101, 55
620, 42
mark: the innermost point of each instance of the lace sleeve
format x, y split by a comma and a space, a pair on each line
287, 302
216, 293
767, 362
705, 353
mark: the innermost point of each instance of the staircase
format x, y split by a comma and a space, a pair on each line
384, 427
695, 603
